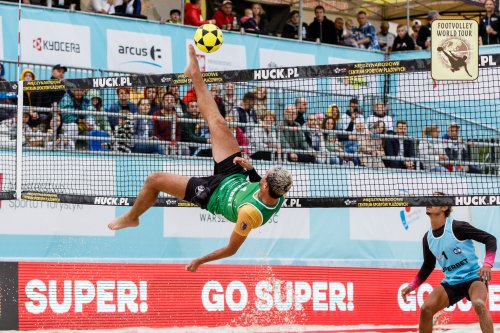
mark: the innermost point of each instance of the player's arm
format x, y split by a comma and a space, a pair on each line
464, 230
251, 172
248, 218
425, 270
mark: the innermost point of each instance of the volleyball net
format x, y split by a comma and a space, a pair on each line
353, 135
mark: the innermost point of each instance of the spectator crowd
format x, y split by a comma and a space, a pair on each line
166, 121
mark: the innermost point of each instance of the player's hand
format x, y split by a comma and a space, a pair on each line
193, 66
243, 162
406, 291
485, 273
193, 266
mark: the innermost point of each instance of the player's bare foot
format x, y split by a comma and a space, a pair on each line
193, 66
123, 222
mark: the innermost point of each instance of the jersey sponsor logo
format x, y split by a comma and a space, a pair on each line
111, 82
276, 73
457, 250
106, 201
455, 266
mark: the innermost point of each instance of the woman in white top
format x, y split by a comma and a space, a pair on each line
431, 150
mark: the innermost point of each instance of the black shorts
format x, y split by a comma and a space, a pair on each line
458, 291
199, 189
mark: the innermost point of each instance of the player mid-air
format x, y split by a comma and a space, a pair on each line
247, 204
451, 243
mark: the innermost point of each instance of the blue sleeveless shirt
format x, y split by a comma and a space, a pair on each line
457, 258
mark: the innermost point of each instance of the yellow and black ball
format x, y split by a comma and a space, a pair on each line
208, 38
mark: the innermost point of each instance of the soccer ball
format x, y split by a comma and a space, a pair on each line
208, 38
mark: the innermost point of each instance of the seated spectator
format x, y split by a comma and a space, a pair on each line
333, 112
370, 144
424, 33
263, 139
175, 17
129, 8
260, 107
348, 35
403, 41
291, 28
301, 105
230, 99
152, 94
366, 33
348, 121
8, 130
322, 28
76, 100
103, 6
245, 113
312, 132
399, 147
385, 38
143, 130
123, 104
216, 94
191, 130
248, 22
168, 129
124, 133
224, 17
192, 14
455, 149
180, 105
431, 150
293, 137
331, 142
98, 122
240, 136
260, 17
72, 5
56, 137
380, 114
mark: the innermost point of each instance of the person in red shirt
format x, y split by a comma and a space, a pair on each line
224, 17
192, 14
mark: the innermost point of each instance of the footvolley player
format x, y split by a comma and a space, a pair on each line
247, 204
451, 243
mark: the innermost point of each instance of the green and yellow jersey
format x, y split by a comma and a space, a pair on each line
238, 200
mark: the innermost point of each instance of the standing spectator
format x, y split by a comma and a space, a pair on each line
103, 6
431, 150
489, 25
331, 142
224, 17
367, 35
190, 130
143, 130
349, 37
415, 28
175, 17
385, 38
230, 99
455, 149
339, 29
163, 129
371, 144
424, 33
122, 105
260, 17
348, 121
245, 113
264, 139
380, 114
49, 98
301, 108
400, 147
293, 137
291, 28
322, 28
192, 14
180, 106
216, 94
248, 22
403, 41
152, 94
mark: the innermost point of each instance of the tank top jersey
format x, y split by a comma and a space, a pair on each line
457, 258
236, 191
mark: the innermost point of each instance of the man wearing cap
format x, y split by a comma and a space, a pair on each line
224, 17
424, 34
385, 38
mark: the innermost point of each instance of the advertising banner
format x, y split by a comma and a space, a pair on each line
55, 43
89, 296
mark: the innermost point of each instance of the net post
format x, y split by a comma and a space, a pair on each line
19, 138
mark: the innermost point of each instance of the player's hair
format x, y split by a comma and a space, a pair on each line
442, 194
279, 180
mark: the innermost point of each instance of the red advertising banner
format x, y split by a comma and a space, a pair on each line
92, 296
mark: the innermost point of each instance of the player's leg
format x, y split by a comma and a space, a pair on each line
155, 183
436, 301
478, 293
223, 142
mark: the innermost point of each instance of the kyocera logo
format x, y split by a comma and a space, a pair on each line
81, 295
41, 44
